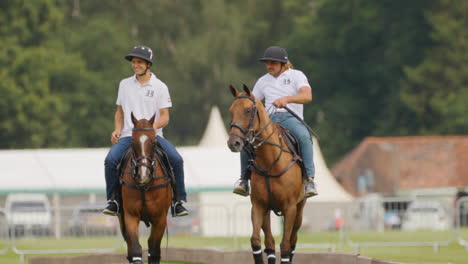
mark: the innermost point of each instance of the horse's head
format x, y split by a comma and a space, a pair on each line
143, 143
244, 119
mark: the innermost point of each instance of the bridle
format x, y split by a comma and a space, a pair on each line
138, 162
249, 136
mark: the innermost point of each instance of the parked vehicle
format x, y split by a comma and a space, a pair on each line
425, 215
28, 214
88, 220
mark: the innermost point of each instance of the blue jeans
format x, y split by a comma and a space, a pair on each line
302, 135
118, 149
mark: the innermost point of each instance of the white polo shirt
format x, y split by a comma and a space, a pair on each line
143, 100
271, 88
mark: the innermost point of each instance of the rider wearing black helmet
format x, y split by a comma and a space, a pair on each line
283, 86
144, 95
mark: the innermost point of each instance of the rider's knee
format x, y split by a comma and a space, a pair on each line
304, 138
177, 160
110, 162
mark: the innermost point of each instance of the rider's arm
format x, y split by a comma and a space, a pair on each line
163, 119
118, 125
118, 119
304, 96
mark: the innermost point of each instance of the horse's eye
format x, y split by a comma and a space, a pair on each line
248, 110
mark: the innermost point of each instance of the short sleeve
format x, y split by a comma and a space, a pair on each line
120, 95
258, 90
164, 100
301, 80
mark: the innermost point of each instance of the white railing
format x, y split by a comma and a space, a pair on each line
66, 230
402, 214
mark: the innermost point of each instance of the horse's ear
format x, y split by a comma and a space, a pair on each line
134, 120
246, 89
233, 90
151, 121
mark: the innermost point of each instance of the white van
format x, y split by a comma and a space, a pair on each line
28, 214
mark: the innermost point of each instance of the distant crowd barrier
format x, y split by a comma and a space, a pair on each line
387, 214
211, 256
4, 239
461, 218
374, 222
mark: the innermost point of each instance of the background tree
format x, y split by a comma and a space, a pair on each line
377, 68
436, 91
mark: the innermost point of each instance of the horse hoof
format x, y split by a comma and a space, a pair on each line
137, 262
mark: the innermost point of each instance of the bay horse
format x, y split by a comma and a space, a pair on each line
146, 193
276, 181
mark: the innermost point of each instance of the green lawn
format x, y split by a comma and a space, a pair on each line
453, 253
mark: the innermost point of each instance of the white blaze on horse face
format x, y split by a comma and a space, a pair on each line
144, 172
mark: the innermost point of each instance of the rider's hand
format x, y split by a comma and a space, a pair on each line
115, 136
281, 102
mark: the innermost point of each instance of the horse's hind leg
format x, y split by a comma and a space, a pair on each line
269, 239
289, 220
133, 245
154, 241
297, 225
258, 214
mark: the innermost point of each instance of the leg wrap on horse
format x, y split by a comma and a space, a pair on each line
257, 254
292, 253
271, 257
135, 260
285, 258
154, 259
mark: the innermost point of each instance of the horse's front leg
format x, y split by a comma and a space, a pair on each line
289, 219
133, 245
158, 226
258, 214
269, 239
296, 226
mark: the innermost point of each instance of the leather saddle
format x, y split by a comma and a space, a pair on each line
293, 145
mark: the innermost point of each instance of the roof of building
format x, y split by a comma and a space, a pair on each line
404, 163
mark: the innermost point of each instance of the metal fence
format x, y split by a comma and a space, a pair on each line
410, 215
461, 220
4, 239
364, 223
65, 230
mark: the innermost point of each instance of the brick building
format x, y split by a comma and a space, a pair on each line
394, 164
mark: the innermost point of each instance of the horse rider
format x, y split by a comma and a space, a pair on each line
144, 95
283, 86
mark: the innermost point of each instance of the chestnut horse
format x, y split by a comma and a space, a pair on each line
276, 182
146, 193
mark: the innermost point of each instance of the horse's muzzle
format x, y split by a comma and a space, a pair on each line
235, 144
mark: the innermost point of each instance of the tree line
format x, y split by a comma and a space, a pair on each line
377, 68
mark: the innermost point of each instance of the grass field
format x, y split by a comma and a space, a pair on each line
453, 253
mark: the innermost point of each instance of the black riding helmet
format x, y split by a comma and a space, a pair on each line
275, 54
141, 52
